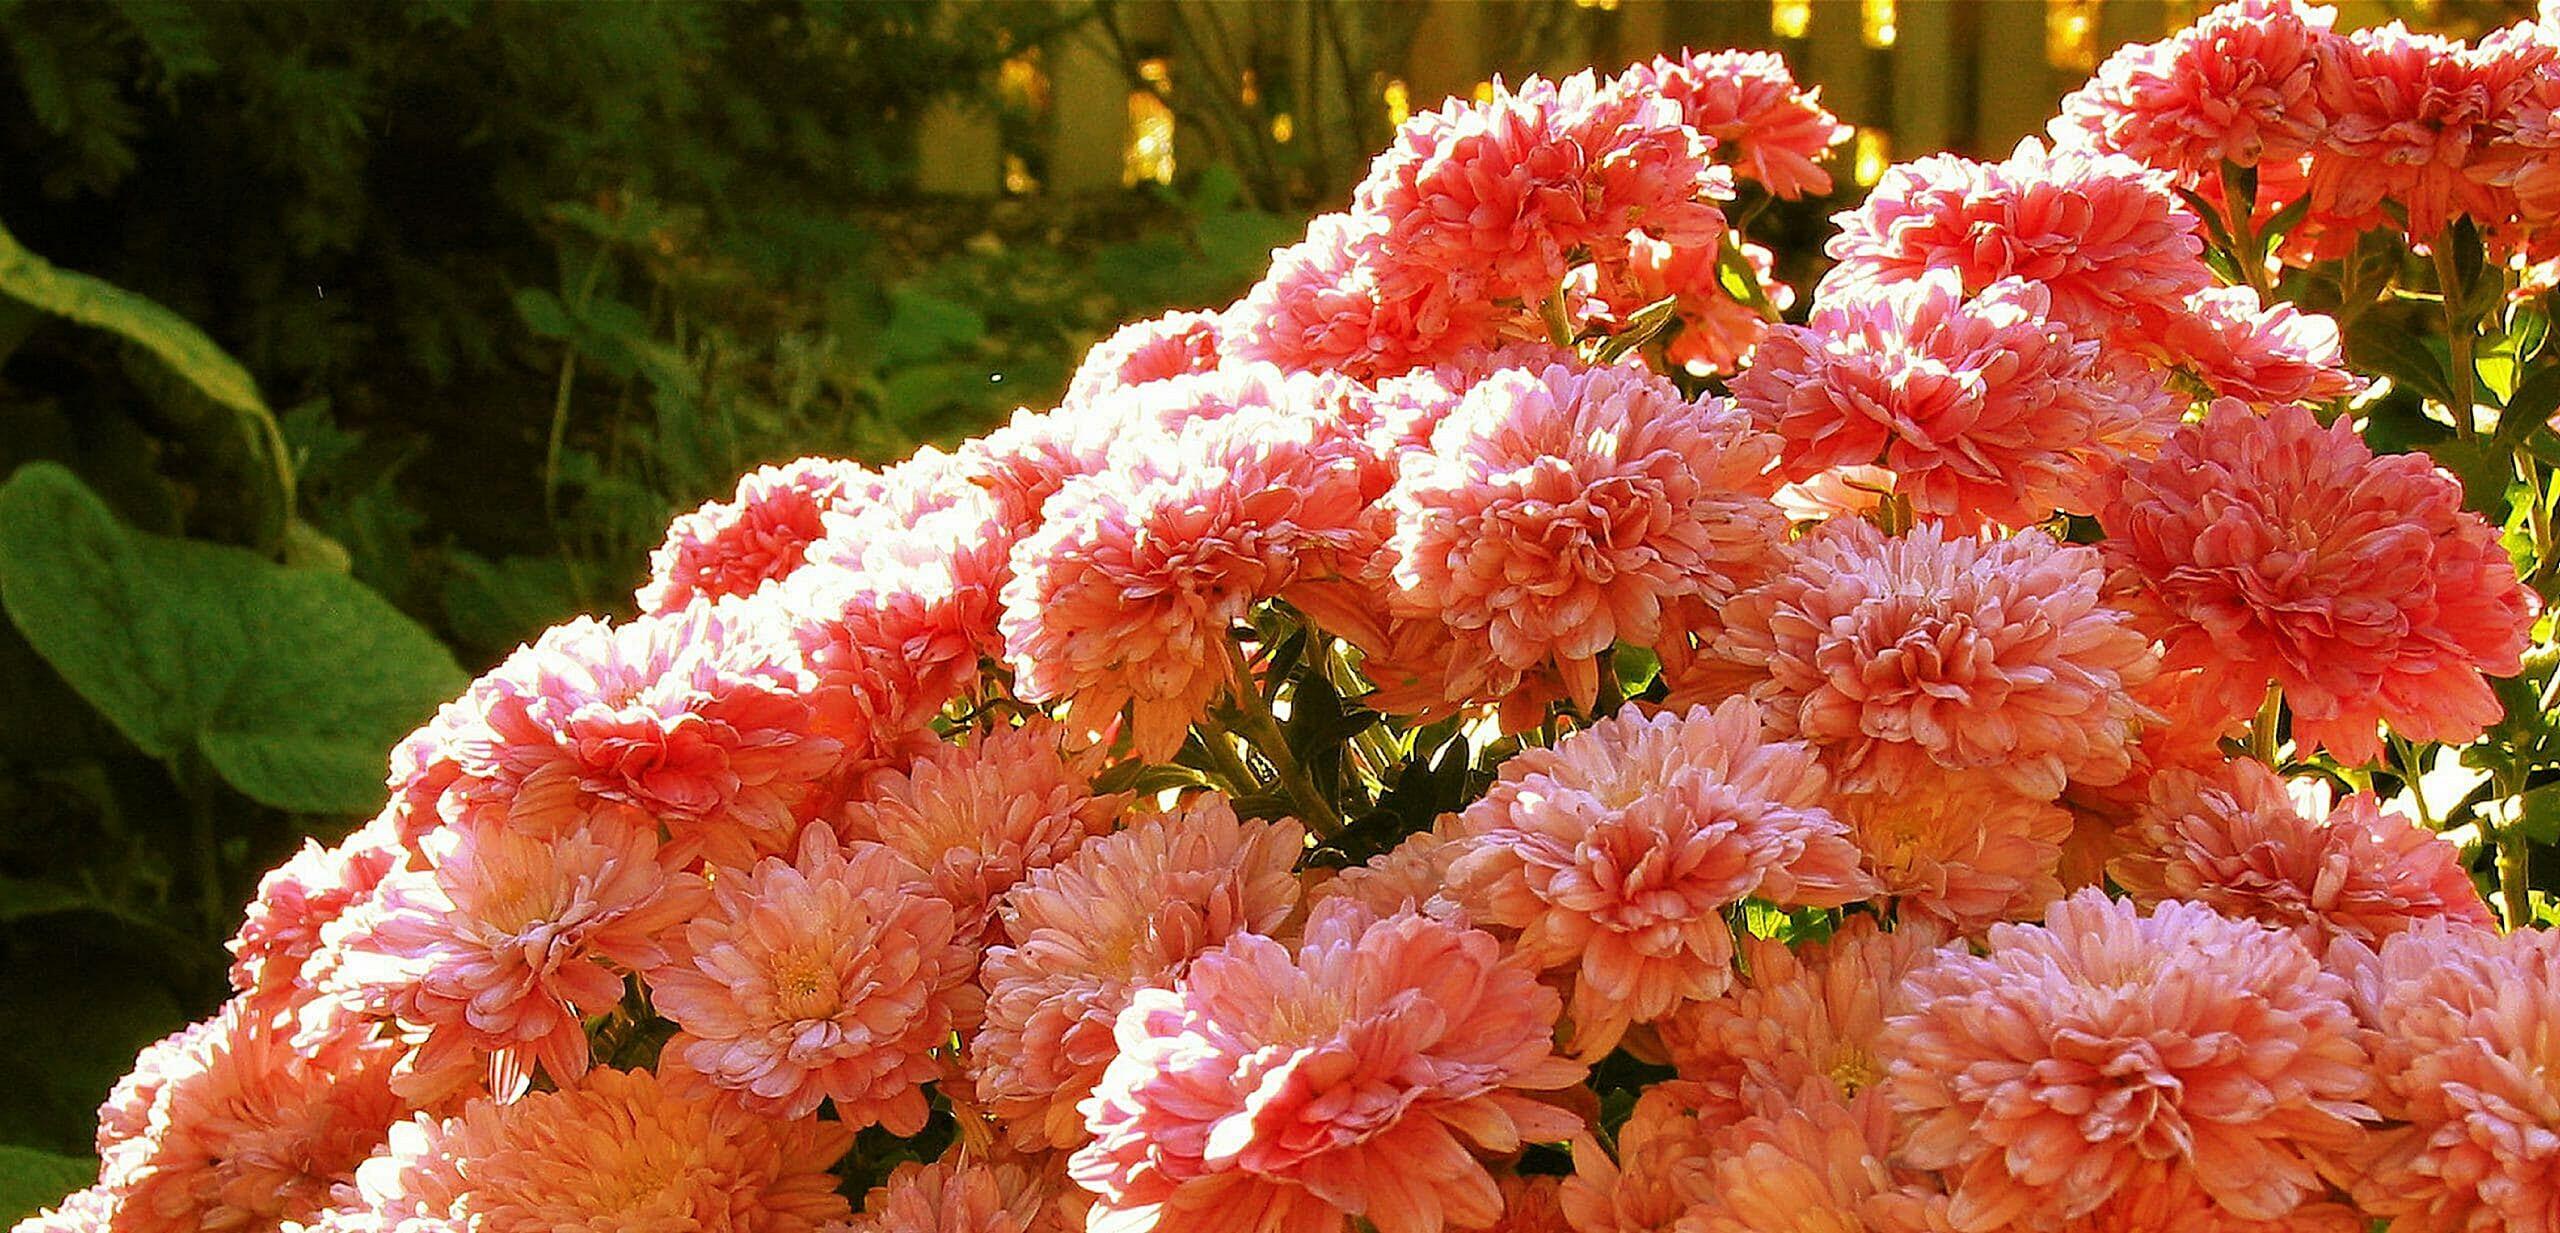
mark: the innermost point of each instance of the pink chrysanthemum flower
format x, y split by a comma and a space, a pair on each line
1925, 652
2163, 1199
2046, 1074
1818, 1165
91, 1210
1173, 345
1530, 1205
1663, 1168
1986, 407
2258, 353
1126, 912
1026, 461
831, 976
1716, 332
508, 938
2237, 843
2409, 115
957, 1195
1560, 511
1960, 848
2237, 87
2465, 1023
125, 1115
1617, 852
758, 536
245, 1132
1490, 200
698, 721
619, 1152
2105, 236
2523, 152
1124, 598
1290, 1093
1771, 130
1411, 876
1808, 1015
979, 817
930, 552
1329, 304
299, 898
2274, 550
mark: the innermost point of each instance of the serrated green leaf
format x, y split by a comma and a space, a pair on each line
292, 683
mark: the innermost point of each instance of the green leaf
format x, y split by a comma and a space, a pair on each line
292, 683
2378, 347
2485, 469
31, 1181
925, 326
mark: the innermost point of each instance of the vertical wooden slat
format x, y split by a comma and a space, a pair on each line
963, 151
1928, 85
2013, 87
1844, 65
1089, 113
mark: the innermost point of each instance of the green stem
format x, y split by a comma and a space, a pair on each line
1239, 778
1755, 296
1613, 693
1262, 731
2515, 853
2458, 336
2247, 254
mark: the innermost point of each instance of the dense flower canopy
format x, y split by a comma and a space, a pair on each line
1502, 728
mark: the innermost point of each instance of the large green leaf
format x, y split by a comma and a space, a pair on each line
290, 682
31, 1181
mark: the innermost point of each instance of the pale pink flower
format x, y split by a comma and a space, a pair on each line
2274, 550
1617, 852
1771, 130
2255, 352
2409, 116
1811, 1014
1173, 345
830, 976
91, 1210
125, 1115
978, 818
1123, 599
2465, 1026
1329, 304
1290, 1093
2046, 1074
698, 721
1408, 407
758, 536
1490, 200
244, 1132
2234, 841
1982, 408
507, 938
2237, 87
934, 547
619, 1152
299, 898
1127, 911
1961, 848
1027, 460
1411, 876
958, 1195
2105, 236
1560, 511
1929, 651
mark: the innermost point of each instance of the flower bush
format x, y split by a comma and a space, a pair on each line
1499, 729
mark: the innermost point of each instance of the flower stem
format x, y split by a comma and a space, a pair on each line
2262, 730
2458, 337
1262, 731
2515, 854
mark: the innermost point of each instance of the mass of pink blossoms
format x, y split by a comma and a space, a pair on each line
1505, 728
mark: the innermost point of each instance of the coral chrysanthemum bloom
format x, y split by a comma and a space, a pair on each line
507, 938
1280, 1093
1125, 912
299, 898
243, 1131
1960, 848
957, 1195
831, 976
1911, 655
619, 1152
2258, 353
1770, 129
2104, 235
2274, 550
1328, 305
2236, 842
1173, 345
698, 720
2468, 1055
978, 817
2048, 1073
1123, 600
760, 535
2409, 115
1560, 511
1617, 852
1987, 407
1663, 1167
1812, 1014
2236, 87
1817, 1165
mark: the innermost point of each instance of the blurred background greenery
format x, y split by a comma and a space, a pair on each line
372, 338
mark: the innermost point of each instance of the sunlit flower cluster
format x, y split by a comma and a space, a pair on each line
1496, 729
